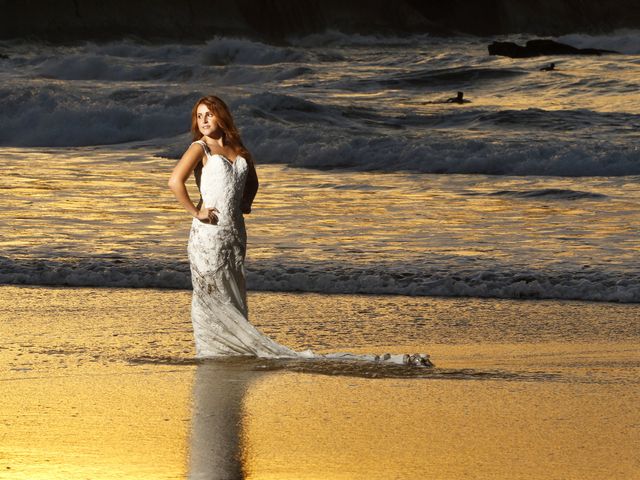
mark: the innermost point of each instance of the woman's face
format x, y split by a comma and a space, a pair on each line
207, 123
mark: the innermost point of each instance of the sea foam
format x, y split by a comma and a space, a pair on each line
585, 283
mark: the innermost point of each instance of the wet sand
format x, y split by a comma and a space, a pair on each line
100, 383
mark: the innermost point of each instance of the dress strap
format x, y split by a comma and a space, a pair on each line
204, 145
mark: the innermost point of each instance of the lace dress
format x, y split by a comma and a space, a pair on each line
216, 253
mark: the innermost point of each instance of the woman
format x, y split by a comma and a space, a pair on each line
226, 176
227, 179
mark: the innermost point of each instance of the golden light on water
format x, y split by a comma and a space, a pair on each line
92, 388
363, 428
142, 425
103, 424
364, 217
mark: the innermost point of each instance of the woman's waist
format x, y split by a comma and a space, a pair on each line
225, 217
223, 204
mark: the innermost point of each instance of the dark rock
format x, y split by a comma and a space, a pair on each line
536, 48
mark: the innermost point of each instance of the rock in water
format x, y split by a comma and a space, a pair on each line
536, 48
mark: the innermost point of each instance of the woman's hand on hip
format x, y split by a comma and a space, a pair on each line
208, 215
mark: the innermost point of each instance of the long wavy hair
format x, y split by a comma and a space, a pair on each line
224, 119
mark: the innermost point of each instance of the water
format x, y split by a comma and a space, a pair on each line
369, 183
92, 388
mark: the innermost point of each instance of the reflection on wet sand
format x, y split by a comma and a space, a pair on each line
218, 392
262, 419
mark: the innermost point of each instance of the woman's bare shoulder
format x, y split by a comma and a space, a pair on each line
198, 146
194, 153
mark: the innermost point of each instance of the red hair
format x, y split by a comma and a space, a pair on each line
224, 119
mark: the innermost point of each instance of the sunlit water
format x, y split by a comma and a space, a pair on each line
522, 389
106, 218
529, 191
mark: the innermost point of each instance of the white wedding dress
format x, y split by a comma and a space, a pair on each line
216, 253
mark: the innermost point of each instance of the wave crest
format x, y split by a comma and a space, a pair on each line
225, 51
584, 283
550, 193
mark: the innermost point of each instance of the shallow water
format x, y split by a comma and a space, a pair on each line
521, 389
84, 217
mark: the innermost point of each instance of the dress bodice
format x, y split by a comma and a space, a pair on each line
222, 185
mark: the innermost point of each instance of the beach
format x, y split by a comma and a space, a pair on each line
101, 383
498, 236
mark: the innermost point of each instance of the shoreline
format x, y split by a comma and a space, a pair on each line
311, 291
520, 389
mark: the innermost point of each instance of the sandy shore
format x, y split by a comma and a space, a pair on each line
100, 383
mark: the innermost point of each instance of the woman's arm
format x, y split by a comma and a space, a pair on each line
179, 176
250, 188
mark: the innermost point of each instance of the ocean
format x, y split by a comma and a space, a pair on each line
370, 182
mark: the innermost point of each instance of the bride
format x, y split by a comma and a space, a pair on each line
226, 177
